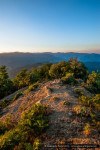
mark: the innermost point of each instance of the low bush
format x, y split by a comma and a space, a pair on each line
34, 119
32, 124
78, 92
58, 70
96, 102
17, 95
93, 83
82, 111
85, 100
37, 144
7, 124
3, 128
32, 87
4, 103
93, 106
10, 121
69, 79
87, 129
78, 69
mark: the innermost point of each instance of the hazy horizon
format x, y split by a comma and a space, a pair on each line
85, 51
50, 26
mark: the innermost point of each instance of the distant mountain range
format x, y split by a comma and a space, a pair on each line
16, 61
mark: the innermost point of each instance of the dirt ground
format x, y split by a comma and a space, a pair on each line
65, 126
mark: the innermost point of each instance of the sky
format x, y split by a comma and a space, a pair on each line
49, 25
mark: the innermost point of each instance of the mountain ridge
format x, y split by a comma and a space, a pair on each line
65, 125
16, 61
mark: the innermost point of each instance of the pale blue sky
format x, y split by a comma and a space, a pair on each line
49, 25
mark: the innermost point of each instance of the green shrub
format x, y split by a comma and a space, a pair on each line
77, 68
82, 111
93, 102
21, 80
78, 91
19, 94
93, 107
9, 140
35, 119
69, 79
39, 73
93, 83
31, 87
4, 103
32, 124
6, 85
10, 122
96, 101
3, 128
44, 71
87, 129
57, 70
37, 144
85, 100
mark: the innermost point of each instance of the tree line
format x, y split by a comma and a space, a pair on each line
70, 72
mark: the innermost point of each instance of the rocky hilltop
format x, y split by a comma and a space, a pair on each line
65, 126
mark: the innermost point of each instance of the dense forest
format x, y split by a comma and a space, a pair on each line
26, 132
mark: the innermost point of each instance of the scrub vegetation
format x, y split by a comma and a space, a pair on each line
32, 102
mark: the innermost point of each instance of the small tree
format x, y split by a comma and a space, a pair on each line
34, 75
69, 79
77, 68
44, 71
21, 79
6, 85
93, 82
57, 70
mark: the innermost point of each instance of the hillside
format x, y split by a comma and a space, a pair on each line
16, 61
49, 105
64, 125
